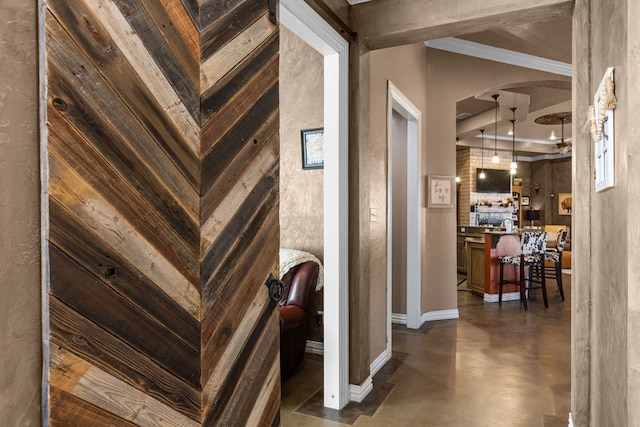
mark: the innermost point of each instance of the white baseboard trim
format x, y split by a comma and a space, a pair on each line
357, 393
430, 316
315, 347
509, 296
399, 319
379, 362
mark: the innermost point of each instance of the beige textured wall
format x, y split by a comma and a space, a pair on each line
301, 107
406, 67
606, 306
20, 324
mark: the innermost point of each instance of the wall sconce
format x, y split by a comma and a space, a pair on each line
536, 187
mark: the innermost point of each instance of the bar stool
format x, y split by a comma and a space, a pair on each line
532, 255
554, 255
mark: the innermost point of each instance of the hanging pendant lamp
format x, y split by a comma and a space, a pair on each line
495, 158
514, 165
482, 174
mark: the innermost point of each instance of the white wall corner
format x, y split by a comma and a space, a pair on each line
430, 316
357, 393
314, 347
509, 296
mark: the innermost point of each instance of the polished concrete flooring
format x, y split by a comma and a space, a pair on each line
496, 365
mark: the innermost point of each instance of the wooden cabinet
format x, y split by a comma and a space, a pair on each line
475, 265
461, 254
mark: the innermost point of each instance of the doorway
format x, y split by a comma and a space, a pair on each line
311, 28
404, 123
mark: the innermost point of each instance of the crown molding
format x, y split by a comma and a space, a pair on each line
482, 51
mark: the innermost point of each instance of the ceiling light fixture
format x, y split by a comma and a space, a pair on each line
557, 119
552, 137
495, 158
514, 165
482, 174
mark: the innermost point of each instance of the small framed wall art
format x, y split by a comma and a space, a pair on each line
440, 191
312, 148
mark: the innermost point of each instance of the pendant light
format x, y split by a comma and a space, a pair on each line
482, 174
514, 165
495, 158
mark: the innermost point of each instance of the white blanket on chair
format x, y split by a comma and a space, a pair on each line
289, 258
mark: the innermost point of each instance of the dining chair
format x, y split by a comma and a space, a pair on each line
532, 255
554, 256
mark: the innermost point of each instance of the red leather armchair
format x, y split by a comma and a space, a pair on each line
296, 315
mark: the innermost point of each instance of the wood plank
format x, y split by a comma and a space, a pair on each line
266, 410
235, 400
69, 411
78, 378
182, 39
267, 142
262, 199
213, 375
133, 49
249, 176
71, 191
88, 103
177, 243
155, 44
237, 290
242, 101
137, 95
93, 299
227, 24
226, 58
231, 143
103, 350
94, 254
183, 24
227, 87
193, 10
214, 10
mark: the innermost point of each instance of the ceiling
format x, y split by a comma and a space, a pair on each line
550, 40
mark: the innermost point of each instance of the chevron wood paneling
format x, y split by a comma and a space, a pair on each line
163, 191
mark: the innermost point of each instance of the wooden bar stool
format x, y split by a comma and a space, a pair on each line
532, 255
554, 255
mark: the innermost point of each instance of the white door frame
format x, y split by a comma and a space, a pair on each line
397, 101
310, 27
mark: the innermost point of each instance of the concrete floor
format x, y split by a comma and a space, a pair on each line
495, 366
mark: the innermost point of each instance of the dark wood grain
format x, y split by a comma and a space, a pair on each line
226, 88
163, 154
263, 143
231, 143
86, 31
233, 404
92, 299
95, 345
69, 411
223, 20
177, 244
87, 248
235, 284
156, 45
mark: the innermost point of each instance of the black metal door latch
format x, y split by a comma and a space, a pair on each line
276, 288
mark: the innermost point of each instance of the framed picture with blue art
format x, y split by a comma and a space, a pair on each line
312, 149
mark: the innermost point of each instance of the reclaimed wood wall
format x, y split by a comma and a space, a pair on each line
163, 204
